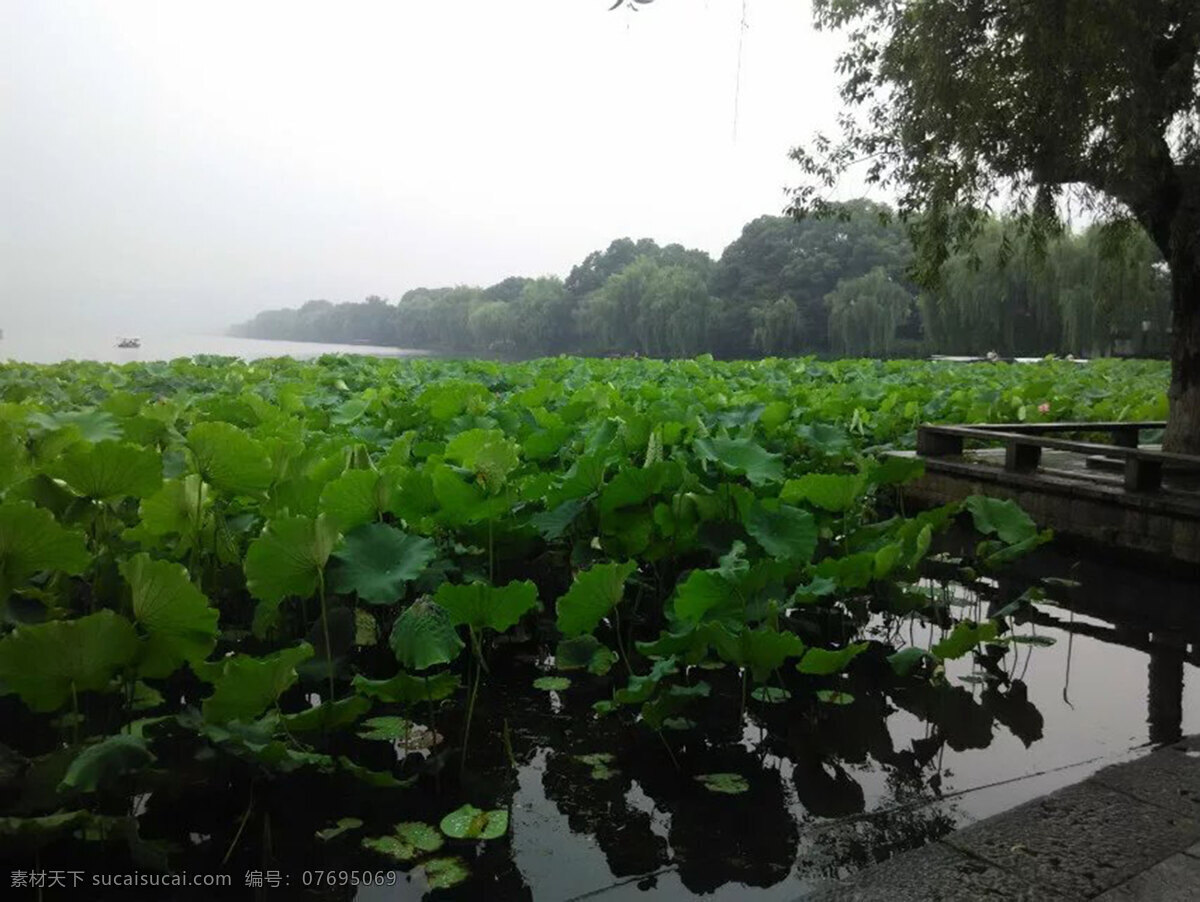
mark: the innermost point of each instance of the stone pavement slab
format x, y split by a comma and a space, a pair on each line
935, 873
1169, 778
1175, 880
1080, 841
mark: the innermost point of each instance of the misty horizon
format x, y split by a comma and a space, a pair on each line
187, 167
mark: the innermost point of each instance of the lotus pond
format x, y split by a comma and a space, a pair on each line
551, 630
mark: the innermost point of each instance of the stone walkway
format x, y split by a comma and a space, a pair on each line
1130, 832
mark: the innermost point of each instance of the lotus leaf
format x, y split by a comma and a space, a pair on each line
593, 594
468, 822
730, 784
344, 825
424, 637
742, 456
245, 686
179, 622
228, 459
98, 765
552, 683
823, 662
45, 663
31, 540
377, 561
480, 606
407, 689
444, 873
109, 470
787, 533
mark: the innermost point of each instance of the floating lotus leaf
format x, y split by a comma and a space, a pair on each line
377, 561
834, 697
600, 763
443, 873
770, 695
468, 822
730, 784
410, 840
344, 825
552, 683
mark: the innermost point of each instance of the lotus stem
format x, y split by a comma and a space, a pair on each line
325, 630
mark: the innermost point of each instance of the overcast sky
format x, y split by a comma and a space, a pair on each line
191, 164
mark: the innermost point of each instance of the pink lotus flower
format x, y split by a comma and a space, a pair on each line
1044, 408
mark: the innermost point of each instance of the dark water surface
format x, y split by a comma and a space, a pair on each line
832, 788
836, 788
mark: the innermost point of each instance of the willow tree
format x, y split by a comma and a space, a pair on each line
958, 105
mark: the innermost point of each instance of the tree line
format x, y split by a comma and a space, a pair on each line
835, 285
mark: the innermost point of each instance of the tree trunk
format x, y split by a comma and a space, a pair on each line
1183, 419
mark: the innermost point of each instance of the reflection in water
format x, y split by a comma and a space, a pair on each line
1166, 687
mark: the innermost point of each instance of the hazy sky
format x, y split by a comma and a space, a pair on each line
193, 163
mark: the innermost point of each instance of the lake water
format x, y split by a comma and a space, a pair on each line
54, 347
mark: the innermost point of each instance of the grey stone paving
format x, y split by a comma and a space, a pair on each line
1130, 832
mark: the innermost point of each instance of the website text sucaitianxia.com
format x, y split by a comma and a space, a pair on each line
71, 879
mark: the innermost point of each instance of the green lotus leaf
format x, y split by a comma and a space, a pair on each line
480, 606
1004, 519
729, 784
834, 697
964, 637
406, 689
46, 827
109, 470
328, 716
1028, 639
600, 763
98, 765
89, 425
31, 541
593, 594
444, 873
761, 650
424, 637
388, 729
701, 592
377, 561
553, 523
907, 659
288, 559
584, 652
635, 486
354, 498
823, 662
228, 459
640, 688
895, 470
552, 683
176, 507
828, 491
742, 456
787, 534
244, 686
770, 695
420, 836
487, 452
180, 624
344, 825
468, 822
45, 662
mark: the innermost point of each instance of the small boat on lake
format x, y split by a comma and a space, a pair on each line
129, 342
